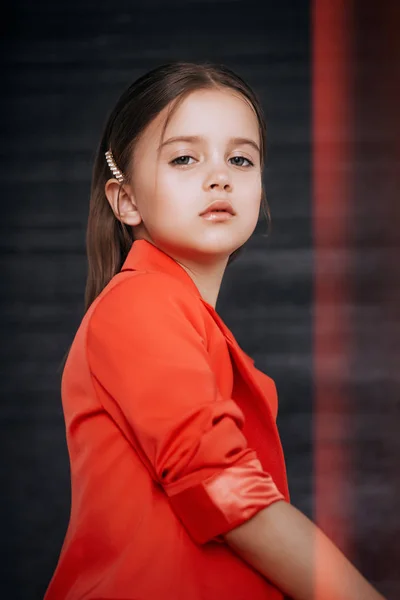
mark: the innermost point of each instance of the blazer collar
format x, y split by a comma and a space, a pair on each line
145, 256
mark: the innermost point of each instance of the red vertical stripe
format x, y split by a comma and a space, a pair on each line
332, 196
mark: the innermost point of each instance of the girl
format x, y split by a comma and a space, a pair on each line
179, 487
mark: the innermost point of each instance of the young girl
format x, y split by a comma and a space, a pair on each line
179, 487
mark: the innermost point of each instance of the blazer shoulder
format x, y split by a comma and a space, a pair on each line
141, 293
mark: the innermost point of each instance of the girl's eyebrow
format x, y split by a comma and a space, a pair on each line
199, 138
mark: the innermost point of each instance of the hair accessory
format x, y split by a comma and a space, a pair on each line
113, 167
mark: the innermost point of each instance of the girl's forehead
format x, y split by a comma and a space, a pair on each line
210, 103
197, 113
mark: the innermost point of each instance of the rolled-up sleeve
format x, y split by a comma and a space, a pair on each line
147, 349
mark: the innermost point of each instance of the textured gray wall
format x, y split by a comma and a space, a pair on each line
64, 65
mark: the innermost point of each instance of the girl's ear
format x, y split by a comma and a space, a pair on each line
128, 211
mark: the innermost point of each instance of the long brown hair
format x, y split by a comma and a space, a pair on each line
108, 239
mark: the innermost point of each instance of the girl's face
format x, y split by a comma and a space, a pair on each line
172, 191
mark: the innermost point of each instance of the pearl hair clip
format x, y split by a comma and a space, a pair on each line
113, 167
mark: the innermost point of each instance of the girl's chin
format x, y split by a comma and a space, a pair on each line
213, 249
216, 243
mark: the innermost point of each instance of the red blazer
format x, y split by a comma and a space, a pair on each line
172, 439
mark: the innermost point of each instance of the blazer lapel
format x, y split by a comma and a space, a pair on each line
272, 448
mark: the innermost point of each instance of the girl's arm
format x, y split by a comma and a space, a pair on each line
292, 552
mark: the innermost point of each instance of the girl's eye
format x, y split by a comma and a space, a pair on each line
249, 161
177, 162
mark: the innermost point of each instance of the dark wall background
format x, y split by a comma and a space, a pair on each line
64, 64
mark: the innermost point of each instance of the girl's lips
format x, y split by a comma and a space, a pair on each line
220, 205
217, 216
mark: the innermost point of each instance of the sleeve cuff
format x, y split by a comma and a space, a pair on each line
225, 500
